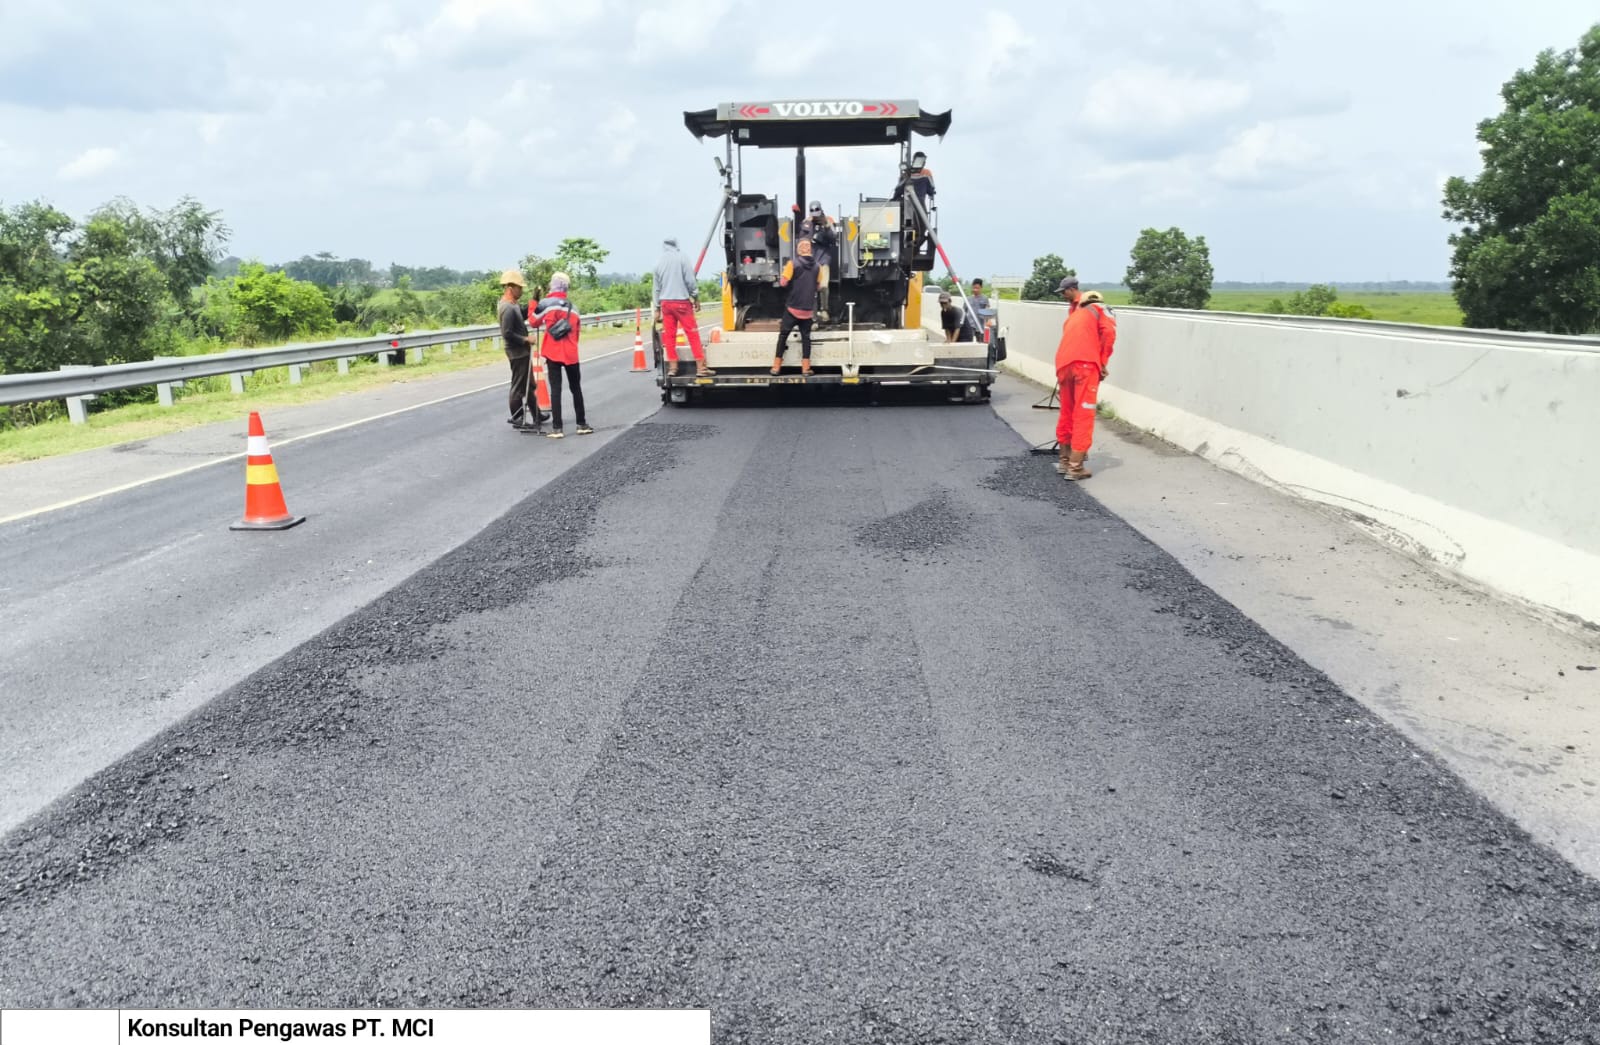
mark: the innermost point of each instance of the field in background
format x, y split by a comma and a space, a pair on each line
1432, 309
1439, 310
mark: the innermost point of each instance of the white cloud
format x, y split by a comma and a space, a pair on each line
672, 29
481, 31
1150, 112
1001, 48
1268, 156
90, 163
211, 127
434, 153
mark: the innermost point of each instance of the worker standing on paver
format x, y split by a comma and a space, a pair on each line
800, 276
676, 295
519, 351
1087, 338
818, 227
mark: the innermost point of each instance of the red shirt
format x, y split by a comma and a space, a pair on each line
1087, 336
545, 314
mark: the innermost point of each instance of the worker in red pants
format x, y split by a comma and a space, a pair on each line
1087, 338
676, 298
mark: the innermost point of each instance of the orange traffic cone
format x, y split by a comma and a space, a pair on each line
263, 497
541, 390
639, 343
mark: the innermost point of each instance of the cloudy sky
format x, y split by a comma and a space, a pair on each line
1306, 141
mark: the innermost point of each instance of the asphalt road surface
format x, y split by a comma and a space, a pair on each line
851, 724
125, 613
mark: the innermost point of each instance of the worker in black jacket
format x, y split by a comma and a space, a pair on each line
819, 229
800, 276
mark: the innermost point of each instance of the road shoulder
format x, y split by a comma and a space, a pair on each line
1499, 694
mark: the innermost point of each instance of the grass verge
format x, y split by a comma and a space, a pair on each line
210, 399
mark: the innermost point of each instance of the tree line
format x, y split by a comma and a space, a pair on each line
127, 284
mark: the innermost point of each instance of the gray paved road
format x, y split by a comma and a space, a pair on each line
127, 612
853, 725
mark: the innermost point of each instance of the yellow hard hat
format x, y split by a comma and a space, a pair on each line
512, 276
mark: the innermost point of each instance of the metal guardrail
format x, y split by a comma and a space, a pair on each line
76, 384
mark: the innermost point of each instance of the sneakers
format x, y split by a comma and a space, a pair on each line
555, 433
585, 430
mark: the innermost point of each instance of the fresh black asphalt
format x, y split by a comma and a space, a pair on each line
853, 724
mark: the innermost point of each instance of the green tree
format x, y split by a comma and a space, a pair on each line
407, 305
125, 306
1315, 300
581, 257
466, 305
185, 242
272, 307
89, 295
1048, 272
1528, 254
537, 271
1170, 270
1348, 310
39, 304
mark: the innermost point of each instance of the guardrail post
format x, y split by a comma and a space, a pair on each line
78, 406
164, 389
344, 364
297, 372
236, 381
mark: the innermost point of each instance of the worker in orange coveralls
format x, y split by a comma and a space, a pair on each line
1087, 338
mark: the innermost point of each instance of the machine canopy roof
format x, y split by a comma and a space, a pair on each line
797, 124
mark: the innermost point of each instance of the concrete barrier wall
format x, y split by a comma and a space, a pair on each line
1482, 454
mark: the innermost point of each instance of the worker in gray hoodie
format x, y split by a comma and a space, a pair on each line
676, 294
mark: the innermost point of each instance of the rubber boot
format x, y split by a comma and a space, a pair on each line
701, 370
1075, 468
1063, 458
822, 304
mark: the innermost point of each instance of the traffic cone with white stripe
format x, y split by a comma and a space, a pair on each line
541, 390
263, 496
639, 366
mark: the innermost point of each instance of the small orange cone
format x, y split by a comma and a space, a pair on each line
638, 353
263, 497
716, 335
541, 390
